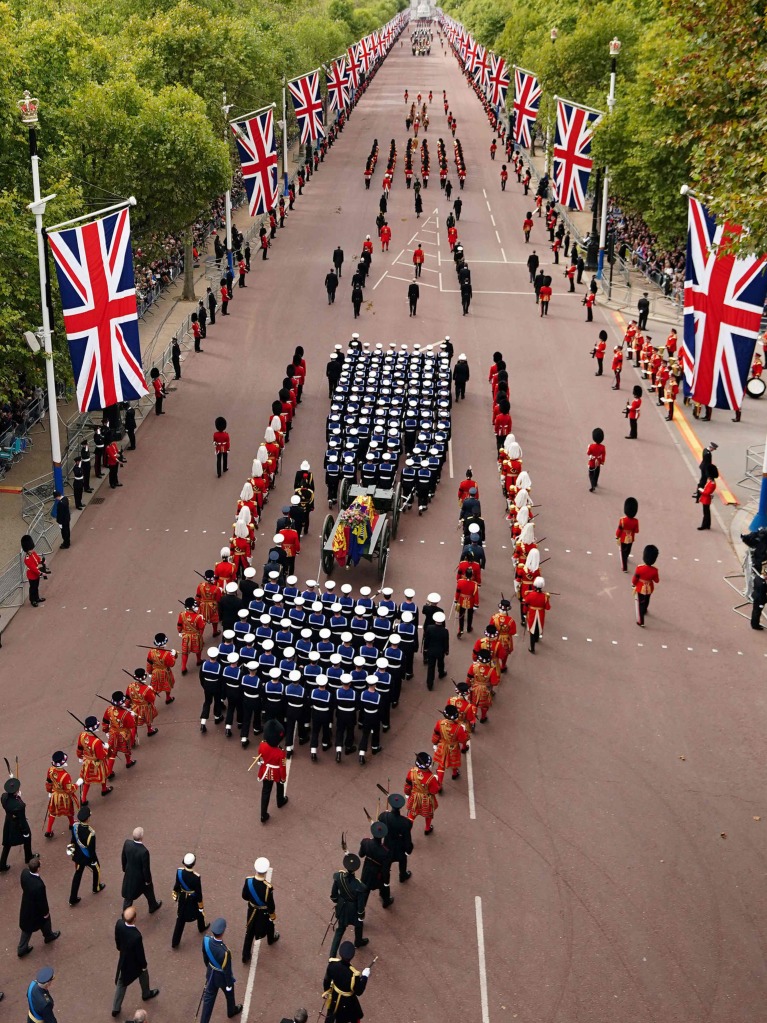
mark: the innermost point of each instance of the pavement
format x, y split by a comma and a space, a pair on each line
600, 859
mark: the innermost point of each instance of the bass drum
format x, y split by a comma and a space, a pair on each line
755, 387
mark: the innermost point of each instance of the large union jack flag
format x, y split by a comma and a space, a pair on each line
572, 148
723, 302
498, 81
527, 99
338, 84
257, 148
481, 65
354, 64
470, 52
307, 102
94, 266
363, 52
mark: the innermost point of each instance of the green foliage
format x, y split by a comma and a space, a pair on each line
130, 104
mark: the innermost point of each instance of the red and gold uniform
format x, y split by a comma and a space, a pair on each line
507, 629
272, 770
159, 664
421, 788
92, 754
524, 578
467, 712
225, 573
241, 548
142, 698
512, 467
190, 626
466, 600
367, 245
120, 726
644, 580
631, 330
536, 603
489, 643
63, 799
482, 679
460, 572
291, 542
671, 343
208, 596
448, 738
464, 487
756, 367
628, 527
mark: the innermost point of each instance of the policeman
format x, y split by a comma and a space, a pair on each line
261, 914
376, 869
218, 972
348, 896
399, 839
84, 855
187, 893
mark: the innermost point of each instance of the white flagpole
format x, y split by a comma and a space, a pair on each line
226, 107
284, 139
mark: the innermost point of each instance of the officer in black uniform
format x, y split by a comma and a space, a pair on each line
16, 830
84, 855
212, 684
187, 893
399, 839
342, 987
259, 895
436, 647
218, 972
348, 895
376, 869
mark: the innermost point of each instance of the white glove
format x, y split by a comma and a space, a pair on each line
174, 653
366, 972
79, 780
434, 748
179, 636
227, 989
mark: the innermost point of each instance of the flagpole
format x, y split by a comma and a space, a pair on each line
226, 107
284, 138
615, 49
29, 107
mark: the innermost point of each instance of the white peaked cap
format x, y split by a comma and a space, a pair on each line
189, 860
231, 587
533, 560
261, 865
249, 572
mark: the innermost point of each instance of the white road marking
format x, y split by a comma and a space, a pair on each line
409, 280
470, 783
380, 279
476, 292
481, 956
450, 457
498, 237
492, 219
253, 963
484, 193
504, 255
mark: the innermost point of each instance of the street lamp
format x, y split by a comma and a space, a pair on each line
28, 107
615, 49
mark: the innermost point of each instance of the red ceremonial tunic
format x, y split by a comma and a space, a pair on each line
208, 596
142, 698
120, 726
448, 737
190, 626
93, 754
421, 788
537, 604
627, 529
63, 793
271, 763
159, 663
644, 579
466, 594
482, 679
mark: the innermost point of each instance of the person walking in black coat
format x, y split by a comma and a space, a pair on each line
63, 518
331, 284
138, 872
187, 893
461, 377
84, 855
436, 647
338, 260
643, 306
458, 206
533, 263
357, 296
399, 841
348, 896
333, 372
130, 427
132, 964
78, 483
34, 914
466, 294
202, 317
413, 294
343, 985
16, 830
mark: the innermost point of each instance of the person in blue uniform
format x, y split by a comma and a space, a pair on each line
39, 1000
218, 972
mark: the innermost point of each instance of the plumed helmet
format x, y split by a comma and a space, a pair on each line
225, 552
246, 494
650, 554
423, 761
220, 423
527, 533
257, 468
523, 516
597, 435
276, 424
523, 481
533, 560
244, 515
522, 498
262, 454
630, 507
274, 732
269, 435
539, 583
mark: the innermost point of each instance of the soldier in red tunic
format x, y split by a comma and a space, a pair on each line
644, 580
467, 712
465, 486
466, 600
271, 766
596, 454
628, 527
617, 366
225, 571
190, 627
63, 799
449, 738
222, 444
536, 604
291, 545
482, 679
208, 596
421, 787
159, 664
35, 569
507, 629
142, 699
93, 755
120, 726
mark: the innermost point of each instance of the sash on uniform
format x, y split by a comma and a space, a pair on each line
180, 879
254, 894
83, 848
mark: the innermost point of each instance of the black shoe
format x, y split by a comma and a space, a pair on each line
73, 902
237, 1011
89, 490
246, 959
100, 888
25, 951
49, 834
131, 764
314, 756
264, 818
405, 877
275, 939
52, 937
338, 756
115, 1013
325, 746
158, 906
388, 902
104, 792
203, 728
152, 994
375, 750
351, 749
759, 627
283, 803
362, 942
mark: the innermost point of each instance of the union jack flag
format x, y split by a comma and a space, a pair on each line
499, 81
94, 266
307, 102
723, 302
471, 50
363, 51
572, 149
257, 149
481, 65
338, 84
527, 99
354, 65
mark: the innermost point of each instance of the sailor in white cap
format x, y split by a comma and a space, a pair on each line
259, 921
461, 376
187, 894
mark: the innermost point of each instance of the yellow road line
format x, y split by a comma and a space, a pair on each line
689, 436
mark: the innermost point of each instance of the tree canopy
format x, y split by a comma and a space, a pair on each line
130, 104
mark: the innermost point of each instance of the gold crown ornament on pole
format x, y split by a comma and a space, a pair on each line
28, 107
